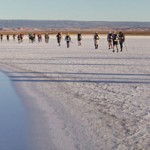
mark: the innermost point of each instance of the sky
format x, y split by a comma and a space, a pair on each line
84, 10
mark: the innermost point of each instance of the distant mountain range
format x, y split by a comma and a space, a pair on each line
45, 24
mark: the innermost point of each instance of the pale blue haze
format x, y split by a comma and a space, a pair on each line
84, 10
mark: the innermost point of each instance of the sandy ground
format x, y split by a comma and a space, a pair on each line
81, 98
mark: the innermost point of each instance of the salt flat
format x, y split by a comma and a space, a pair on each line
82, 98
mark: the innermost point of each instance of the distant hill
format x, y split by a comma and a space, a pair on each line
41, 24
86, 27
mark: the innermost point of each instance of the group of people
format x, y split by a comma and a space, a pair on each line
7, 37
113, 39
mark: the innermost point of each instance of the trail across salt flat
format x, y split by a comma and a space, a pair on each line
81, 98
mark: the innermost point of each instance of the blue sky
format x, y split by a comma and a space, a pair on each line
91, 10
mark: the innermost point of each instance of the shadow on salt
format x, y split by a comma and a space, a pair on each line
13, 119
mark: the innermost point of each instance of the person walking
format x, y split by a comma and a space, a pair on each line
39, 37
109, 40
115, 41
19, 38
14, 37
59, 37
1, 37
79, 38
68, 40
46, 38
121, 38
96, 40
7, 37
31, 37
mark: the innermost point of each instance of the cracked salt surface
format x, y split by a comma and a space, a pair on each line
96, 99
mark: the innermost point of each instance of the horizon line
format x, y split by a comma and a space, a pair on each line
70, 20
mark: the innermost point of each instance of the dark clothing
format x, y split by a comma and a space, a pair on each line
96, 40
121, 38
79, 37
96, 37
14, 36
31, 37
109, 37
59, 38
68, 40
115, 39
1, 37
109, 40
7, 37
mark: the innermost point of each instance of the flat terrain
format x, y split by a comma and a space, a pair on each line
81, 98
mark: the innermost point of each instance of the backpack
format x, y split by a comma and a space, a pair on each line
96, 37
114, 37
110, 36
46, 36
67, 38
79, 36
121, 37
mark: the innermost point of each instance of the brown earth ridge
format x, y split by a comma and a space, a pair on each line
25, 31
